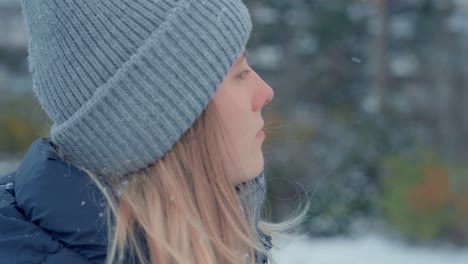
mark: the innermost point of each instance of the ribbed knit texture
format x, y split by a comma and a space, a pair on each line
123, 80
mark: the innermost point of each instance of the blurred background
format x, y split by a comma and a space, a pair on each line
369, 122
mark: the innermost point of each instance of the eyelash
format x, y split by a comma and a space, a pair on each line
242, 74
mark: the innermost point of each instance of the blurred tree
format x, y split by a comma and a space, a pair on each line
22, 120
419, 200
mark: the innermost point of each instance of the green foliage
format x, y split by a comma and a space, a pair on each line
22, 121
419, 198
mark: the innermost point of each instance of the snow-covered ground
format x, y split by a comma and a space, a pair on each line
368, 249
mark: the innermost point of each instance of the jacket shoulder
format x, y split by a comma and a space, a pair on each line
49, 213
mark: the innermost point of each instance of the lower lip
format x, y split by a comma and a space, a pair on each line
261, 134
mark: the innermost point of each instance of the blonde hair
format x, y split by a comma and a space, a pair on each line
184, 209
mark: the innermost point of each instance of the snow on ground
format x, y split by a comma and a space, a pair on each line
368, 249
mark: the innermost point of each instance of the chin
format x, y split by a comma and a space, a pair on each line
254, 169
258, 168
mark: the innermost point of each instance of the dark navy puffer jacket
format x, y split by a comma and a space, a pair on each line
50, 212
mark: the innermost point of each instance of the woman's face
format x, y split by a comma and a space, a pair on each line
240, 99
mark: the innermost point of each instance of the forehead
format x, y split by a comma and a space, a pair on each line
241, 56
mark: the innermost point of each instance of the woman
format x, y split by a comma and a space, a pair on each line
155, 103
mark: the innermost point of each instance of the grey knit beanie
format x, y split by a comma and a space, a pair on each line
123, 80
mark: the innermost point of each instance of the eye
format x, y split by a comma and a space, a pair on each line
242, 75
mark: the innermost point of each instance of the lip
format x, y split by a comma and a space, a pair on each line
261, 133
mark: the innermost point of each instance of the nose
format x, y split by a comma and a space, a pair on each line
270, 94
264, 94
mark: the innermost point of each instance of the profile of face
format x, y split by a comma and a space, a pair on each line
239, 100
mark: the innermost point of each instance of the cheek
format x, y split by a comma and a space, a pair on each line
236, 122
234, 106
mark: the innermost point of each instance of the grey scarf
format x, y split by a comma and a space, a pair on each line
251, 194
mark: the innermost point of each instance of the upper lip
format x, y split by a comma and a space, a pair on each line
261, 128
